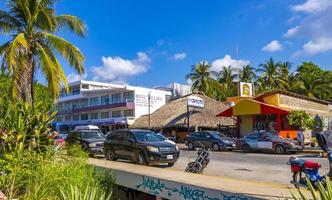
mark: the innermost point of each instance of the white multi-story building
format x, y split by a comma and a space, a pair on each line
109, 106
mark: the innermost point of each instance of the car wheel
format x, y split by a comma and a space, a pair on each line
279, 149
215, 147
109, 155
246, 148
190, 146
171, 164
141, 159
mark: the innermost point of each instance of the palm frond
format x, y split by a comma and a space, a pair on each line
53, 76
70, 52
14, 49
73, 23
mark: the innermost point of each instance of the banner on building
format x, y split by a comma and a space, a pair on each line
196, 102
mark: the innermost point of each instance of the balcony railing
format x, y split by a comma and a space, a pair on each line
129, 104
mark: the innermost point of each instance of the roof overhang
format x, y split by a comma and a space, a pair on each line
252, 107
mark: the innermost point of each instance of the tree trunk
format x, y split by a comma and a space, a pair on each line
25, 82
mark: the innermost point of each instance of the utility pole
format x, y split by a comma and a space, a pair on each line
149, 98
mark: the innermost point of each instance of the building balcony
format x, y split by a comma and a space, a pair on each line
100, 122
128, 104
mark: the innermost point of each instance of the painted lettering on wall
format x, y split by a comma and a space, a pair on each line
185, 192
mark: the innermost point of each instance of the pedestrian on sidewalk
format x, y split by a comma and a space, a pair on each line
300, 138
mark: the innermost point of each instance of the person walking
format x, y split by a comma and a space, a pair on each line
300, 138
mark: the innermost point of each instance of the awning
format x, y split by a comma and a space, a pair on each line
252, 107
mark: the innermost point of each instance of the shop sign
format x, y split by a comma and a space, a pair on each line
245, 89
196, 102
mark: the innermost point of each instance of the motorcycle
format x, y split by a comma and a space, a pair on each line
304, 170
201, 162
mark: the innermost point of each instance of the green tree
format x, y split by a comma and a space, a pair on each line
300, 119
247, 74
269, 73
226, 77
200, 77
283, 77
31, 25
312, 81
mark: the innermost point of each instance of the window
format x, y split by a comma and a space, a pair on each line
76, 117
116, 114
84, 116
128, 113
84, 103
128, 96
94, 101
116, 98
67, 118
75, 90
85, 86
105, 115
105, 100
59, 106
76, 104
94, 115
60, 119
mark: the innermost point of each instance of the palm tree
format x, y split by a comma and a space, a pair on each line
313, 85
270, 71
31, 25
247, 74
226, 77
201, 77
284, 77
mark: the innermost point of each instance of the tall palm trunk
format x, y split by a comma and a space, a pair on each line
25, 81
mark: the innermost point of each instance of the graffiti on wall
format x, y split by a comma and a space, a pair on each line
157, 187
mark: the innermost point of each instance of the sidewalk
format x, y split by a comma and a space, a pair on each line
206, 184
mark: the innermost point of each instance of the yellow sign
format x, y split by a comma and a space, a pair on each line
245, 89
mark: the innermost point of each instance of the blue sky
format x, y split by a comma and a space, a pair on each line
155, 42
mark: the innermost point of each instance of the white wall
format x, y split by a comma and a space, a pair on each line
158, 99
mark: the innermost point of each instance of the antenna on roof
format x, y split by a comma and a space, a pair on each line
236, 51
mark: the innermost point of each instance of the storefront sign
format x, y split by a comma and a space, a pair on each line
196, 102
245, 89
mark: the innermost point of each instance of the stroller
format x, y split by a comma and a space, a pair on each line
201, 162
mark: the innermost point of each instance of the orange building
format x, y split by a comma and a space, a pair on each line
269, 111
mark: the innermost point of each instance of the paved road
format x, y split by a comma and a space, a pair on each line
250, 166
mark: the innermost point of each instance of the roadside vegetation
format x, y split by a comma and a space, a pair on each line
316, 193
32, 167
308, 79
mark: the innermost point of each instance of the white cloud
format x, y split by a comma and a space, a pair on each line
312, 6
226, 61
273, 46
117, 69
73, 77
291, 32
314, 27
317, 46
179, 56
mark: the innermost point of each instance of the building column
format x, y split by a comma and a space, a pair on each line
278, 122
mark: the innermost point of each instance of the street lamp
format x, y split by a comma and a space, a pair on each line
149, 98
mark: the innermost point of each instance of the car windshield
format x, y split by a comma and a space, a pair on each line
92, 134
216, 134
148, 136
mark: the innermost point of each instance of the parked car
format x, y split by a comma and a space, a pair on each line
210, 139
91, 141
267, 141
141, 146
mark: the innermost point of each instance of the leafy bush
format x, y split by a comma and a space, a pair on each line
300, 119
319, 193
32, 169
30, 176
